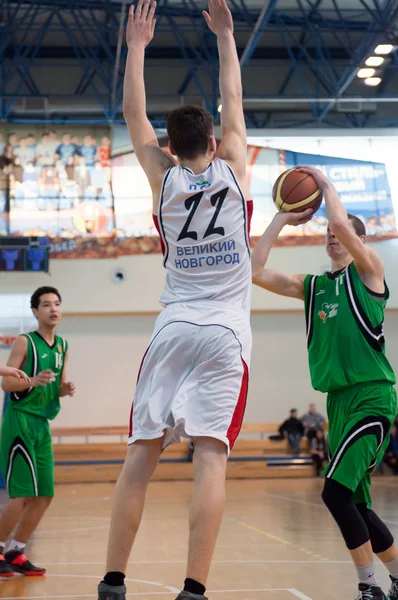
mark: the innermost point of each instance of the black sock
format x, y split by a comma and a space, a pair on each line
114, 579
190, 585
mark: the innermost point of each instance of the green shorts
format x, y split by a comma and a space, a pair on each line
26, 454
360, 421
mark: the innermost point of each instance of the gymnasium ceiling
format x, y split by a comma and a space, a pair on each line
63, 61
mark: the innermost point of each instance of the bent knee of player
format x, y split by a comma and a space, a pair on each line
38, 501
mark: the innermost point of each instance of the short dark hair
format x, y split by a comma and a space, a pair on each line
189, 129
45, 289
359, 226
293, 410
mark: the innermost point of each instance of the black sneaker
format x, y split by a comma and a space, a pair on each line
189, 596
393, 593
370, 592
18, 562
110, 592
5, 570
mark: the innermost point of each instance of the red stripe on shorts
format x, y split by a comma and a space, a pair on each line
249, 215
132, 404
156, 222
239, 412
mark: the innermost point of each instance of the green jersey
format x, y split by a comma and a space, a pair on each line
41, 401
345, 333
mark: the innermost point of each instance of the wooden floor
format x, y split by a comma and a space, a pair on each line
277, 543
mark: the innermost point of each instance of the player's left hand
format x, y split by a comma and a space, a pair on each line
13, 372
141, 23
219, 18
68, 388
317, 174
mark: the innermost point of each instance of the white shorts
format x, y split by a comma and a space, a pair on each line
193, 382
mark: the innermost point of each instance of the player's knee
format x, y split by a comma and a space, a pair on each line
210, 451
380, 536
336, 496
35, 502
339, 501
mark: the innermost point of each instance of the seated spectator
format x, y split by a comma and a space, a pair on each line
391, 455
53, 141
104, 152
293, 429
312, 421
88, 150
66, 149
7, 158
12, 140
319, 450
24, 153
45, 151
31, 141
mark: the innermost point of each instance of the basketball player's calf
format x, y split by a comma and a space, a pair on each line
27, 512
208, 500
364, 534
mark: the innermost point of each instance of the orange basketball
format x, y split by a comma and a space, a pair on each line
296, 191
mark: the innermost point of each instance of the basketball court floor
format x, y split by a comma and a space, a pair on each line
277, 542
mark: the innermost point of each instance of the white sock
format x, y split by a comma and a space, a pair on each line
2, 544
366, 574
15, 545
392, 567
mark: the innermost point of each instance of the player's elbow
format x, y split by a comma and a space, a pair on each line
6, 384
129, 112
258, 273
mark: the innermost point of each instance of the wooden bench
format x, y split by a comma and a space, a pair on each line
254, 455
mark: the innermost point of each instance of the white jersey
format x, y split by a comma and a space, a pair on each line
204, 228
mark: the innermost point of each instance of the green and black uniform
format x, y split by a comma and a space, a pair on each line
346, 350
26, 449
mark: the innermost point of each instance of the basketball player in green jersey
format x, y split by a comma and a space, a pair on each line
27, 460
346, 349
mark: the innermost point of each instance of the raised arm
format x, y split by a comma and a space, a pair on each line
275, 281
140, 30
367, 261
233, 129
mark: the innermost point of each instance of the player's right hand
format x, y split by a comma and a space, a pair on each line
13, 372
42, 379
141, 23
296, 218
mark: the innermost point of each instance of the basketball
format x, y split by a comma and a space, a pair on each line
295, 191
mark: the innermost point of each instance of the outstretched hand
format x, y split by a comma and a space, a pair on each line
218, 17
317, 174
141, 23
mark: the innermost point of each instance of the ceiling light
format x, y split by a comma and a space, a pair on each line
373, 81
374, 61
365, 73
219, 108
384, 49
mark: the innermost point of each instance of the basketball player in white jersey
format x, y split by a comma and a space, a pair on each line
194, 376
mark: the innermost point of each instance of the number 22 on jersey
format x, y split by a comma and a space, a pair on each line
192, 204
